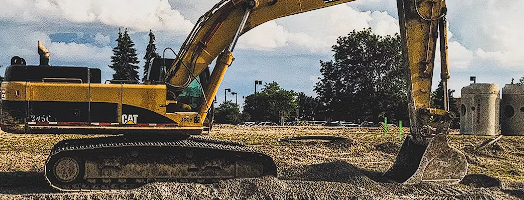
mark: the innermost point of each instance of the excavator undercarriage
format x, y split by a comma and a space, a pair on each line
117, 162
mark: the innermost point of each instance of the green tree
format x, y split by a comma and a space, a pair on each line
150, 53
365, 80
124, 60
270, 104
228, 113
245, 116
437, 101
1, 77
307, 107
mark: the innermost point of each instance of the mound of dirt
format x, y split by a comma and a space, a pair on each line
256, 188
480, 180
346, 169
488, 150
337, 171
335, 180
388, 147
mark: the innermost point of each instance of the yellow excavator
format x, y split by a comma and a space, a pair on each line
155, 126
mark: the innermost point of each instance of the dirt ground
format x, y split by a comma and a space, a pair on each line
312, 169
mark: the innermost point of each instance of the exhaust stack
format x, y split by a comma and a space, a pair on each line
44, 54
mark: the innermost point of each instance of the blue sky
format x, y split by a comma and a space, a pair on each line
486, 37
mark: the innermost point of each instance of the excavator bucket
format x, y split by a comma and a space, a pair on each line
436, 162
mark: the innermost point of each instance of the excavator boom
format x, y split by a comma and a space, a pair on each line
216, 29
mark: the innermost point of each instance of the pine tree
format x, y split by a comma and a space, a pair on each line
124, 61
150, 53
1, 77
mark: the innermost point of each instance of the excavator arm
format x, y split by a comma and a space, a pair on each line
419, 26
216, 33
425, 154
219, 28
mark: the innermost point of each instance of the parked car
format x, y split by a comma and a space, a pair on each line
333, 123
248, 123
350, 124
317, 123
367, 124
267, 124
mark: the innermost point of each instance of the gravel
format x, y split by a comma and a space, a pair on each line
347, 169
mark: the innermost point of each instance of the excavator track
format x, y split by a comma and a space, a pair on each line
118, 162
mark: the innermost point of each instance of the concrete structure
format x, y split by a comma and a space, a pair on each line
512, 110
479, 109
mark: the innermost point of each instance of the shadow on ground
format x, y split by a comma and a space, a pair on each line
337, 171
24, 183
479, 186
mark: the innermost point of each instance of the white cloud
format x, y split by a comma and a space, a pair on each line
375, 5
316, 31
74, 11
264, 37
142, 15
135, 14
492, 29
458, 55
383, 24
73, 52
193, 9
101, 39
23, 42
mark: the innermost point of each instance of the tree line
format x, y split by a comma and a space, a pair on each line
363, 82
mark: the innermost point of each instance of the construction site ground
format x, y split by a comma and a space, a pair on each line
307, 169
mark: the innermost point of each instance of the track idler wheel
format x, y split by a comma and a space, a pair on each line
64, 171
436, 162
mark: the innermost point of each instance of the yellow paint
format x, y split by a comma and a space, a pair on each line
106, 93
40, 91
14, 91
150, 97
224, 60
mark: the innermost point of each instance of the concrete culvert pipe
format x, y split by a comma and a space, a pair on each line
479, 109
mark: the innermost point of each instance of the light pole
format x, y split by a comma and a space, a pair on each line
257, 82
236, 97
225, 94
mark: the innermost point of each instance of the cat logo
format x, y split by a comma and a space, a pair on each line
129, 119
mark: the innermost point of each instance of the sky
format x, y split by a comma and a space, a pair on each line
485, 37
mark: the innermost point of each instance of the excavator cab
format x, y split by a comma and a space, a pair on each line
189, 99
157, 70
